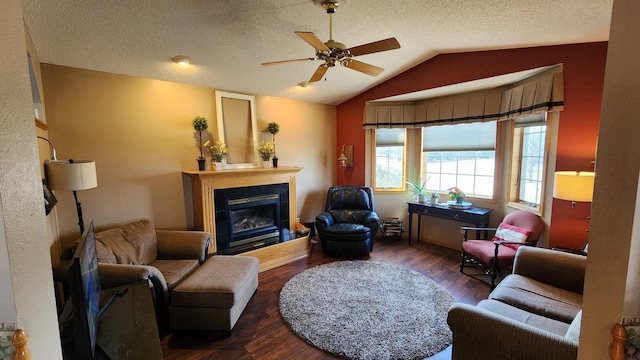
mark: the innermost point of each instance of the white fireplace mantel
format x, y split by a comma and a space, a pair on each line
203, 184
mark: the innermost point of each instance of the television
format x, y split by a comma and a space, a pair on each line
84, 288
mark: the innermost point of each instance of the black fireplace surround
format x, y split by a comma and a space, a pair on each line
251, 217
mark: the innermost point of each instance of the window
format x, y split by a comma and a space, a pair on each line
462, 155
528, 162
389, 165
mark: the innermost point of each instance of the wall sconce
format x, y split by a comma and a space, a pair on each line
346, 157
574, 186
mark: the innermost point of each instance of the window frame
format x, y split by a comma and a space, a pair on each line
517, 141
405, 161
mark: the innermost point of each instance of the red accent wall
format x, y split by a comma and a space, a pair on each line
584, 66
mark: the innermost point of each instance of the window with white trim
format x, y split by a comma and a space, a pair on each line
462, 155
529, 159
389, 161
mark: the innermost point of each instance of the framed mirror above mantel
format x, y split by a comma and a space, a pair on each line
237, 128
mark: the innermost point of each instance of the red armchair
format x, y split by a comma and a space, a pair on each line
516, 229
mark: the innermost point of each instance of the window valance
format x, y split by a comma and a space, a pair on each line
537, 94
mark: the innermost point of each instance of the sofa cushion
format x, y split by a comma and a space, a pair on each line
485, 250
348, 231
511, 233
537, 321
113, 248
174, 271
142, 236
538, 298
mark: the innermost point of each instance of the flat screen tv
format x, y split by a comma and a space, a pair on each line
84, 286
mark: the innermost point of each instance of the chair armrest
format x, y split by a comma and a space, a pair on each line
505, 242
177, 245
372, 221
467, 228
557, 268
479, 333
465, 232
112, 275
323, 221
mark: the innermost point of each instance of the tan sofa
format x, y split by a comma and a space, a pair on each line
137, 251
534, 313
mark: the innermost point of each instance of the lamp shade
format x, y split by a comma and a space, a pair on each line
574, 185
71, 174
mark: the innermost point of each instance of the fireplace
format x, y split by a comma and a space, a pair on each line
207, 201
248, 218
253, 222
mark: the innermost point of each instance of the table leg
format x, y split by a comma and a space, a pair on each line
419, 223
410, 217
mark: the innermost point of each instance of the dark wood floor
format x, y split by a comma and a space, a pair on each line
262, 334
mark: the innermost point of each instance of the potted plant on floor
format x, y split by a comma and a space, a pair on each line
273, 129
200, 124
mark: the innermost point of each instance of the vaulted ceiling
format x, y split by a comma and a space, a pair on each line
229, 40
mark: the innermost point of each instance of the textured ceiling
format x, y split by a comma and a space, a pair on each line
228, 40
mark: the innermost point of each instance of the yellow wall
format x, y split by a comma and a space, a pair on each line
139, 132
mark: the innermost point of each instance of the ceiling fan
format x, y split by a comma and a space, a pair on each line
333, 52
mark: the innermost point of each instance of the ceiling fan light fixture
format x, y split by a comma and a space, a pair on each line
303, 84
329, 5
182, 60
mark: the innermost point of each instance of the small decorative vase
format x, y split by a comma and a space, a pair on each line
217, 165
422, 198
434, 201
266, 164
459, 199
275, 162
201, 164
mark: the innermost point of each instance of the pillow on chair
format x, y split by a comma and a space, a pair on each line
506, 232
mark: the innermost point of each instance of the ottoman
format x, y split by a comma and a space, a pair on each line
214, 296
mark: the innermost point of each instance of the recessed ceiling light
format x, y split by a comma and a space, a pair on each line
182, 60
303, 84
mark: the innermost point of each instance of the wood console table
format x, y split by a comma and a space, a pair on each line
474, 215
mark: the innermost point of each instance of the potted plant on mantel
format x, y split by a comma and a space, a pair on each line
273, 129
218, 151
266, 152
200, 124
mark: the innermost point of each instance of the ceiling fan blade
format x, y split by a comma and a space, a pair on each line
287, 61
374, 47
364, 67
320, 71
312, 40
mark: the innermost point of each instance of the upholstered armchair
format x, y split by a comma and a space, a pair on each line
494, 254
349, 225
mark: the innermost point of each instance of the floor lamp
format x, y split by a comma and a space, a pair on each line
72, 175
574, 186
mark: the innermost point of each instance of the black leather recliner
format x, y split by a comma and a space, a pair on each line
349, 225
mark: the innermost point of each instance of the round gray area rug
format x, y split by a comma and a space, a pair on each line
368, 310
